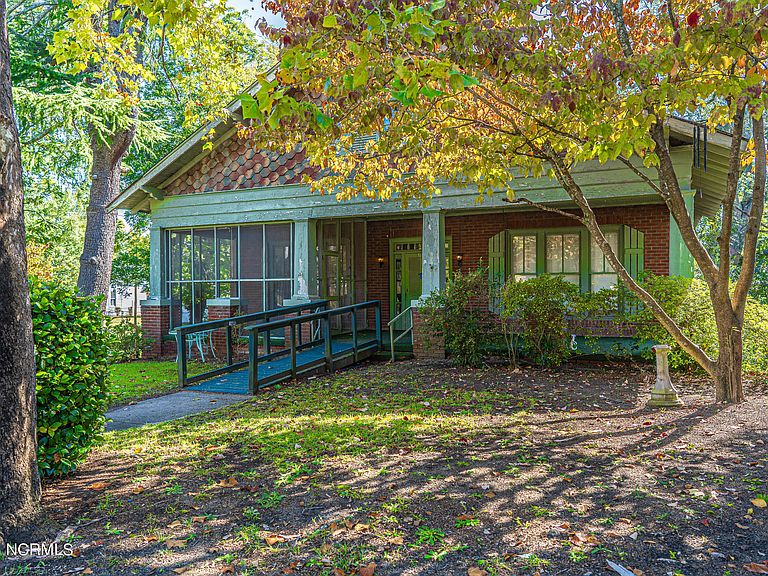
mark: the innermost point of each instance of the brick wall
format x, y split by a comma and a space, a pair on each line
155, 322
470, 234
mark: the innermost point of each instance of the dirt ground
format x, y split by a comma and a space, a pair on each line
423, 469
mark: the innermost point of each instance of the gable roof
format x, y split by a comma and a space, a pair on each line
251, 168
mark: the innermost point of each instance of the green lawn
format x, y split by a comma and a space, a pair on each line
141, 379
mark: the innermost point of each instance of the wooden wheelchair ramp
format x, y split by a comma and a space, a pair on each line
310, 347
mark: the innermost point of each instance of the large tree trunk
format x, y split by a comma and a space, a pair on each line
99, 246
19, 480
728, 382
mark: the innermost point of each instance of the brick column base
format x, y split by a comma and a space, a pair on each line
220, 336
155, 323
427, 343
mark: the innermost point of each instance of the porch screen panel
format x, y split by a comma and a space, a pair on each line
360, 269
252, 263
602, 274
563, 256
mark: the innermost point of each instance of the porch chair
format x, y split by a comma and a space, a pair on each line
202, 339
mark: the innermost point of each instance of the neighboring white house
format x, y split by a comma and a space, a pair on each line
123, 299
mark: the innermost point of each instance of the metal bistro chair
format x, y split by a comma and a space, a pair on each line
203, 340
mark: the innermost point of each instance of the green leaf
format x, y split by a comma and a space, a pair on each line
360, 77
330, 21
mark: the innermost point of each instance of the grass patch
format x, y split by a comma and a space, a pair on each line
141, 379
350, 414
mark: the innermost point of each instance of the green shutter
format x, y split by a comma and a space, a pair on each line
634, 251
497, 265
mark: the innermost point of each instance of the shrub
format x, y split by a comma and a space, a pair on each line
460, 315
535, 318
687, 302
126, 340
71, 354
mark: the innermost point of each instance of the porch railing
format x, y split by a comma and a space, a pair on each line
182, 333
296, 345
407, 313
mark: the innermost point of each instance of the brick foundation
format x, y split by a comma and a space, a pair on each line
426, 342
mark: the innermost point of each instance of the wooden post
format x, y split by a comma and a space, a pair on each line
253, 364
378, 323
181, 357
354, 333
229, 342
328, 343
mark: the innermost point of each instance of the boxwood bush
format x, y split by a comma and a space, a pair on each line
71, 352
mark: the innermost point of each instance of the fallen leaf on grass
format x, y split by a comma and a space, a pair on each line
759, 502
199, 519
150, 538
273, 539
228, 483
138, 490
465, 517
756, 568
98, 486
475, 571
338, 572
175, 543
228, 569
367, 570
182, 569
87, 571
174, 524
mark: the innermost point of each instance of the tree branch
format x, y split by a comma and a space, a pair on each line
731, 187
590, 221
747, 274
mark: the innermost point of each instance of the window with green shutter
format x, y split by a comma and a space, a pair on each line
571, 253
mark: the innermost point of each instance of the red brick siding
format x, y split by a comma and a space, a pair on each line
155, 322
470, 234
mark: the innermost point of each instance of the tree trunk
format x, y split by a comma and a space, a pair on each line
135, 305
99, 246
728, 383
19, 480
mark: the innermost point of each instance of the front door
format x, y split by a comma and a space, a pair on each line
407, 280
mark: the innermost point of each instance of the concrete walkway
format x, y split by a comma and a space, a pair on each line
169, 407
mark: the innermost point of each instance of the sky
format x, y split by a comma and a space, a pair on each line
255, 11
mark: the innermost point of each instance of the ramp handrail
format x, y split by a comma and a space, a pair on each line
296, 345
181, 333
391, 325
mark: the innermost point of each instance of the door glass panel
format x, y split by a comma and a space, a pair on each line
204, 257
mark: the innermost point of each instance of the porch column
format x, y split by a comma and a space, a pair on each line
156, 310
304, 261
156, 259
680, 259
432, 252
